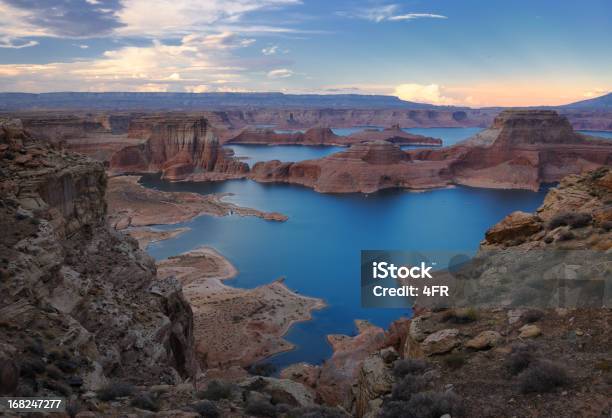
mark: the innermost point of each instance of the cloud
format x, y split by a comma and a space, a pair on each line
195, 61
596, 92
167, 17
280, 73
412, 16
430, 93
270, 50
58, 18
8, 42
389, 12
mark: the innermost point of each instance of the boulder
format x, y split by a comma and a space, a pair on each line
529, 331
484, 340
441, 342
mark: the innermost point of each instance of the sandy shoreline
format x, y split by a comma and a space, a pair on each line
234, 326
132, 205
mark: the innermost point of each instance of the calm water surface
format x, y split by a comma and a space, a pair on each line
286, 153
603, 134
317, 250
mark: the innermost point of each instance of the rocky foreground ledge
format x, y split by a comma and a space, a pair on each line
84, 314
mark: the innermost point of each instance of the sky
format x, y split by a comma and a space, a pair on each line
450, 52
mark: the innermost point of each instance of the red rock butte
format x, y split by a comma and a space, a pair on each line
521, 150
179, 148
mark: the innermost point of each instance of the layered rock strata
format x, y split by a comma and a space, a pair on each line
521, 150
180, 148
79, 303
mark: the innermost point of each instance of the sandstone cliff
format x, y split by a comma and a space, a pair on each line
521, 150
395, 135
79, 303
363, 168
179, 148
325, 136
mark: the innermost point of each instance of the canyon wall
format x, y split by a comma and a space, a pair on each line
325, 136
179, 148
80, 304
521, 150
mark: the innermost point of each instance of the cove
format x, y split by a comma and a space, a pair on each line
318, 249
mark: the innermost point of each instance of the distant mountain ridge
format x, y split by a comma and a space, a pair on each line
199, 101
222, 101
601, 102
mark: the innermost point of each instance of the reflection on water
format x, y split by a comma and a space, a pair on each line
318, 249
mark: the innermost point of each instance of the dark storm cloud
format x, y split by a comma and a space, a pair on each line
71, 18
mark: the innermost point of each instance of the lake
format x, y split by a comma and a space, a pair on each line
318, 249
287, 153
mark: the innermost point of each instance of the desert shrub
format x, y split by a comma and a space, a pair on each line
262, 369
603, 365
73, 408
115, 390
58, 387
408, 366
520, 358
53, 372
216, 390
573, 220
31, 367
67, 365
532, 315
317, 412
425, 405
435, 404
408, 386
146, 400
454, 361
542, 376
260, 408
206, 409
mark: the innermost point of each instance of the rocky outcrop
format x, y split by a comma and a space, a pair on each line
180, 148
79, 303
313, 136
521, 150
395, 135
325, 136
363, 168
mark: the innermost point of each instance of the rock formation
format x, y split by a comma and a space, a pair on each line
79, 303
521, 150
364, 168
325, 136
180, 148
395, 135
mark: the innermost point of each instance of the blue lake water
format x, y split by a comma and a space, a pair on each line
603, 134
449, 136
318, 249
286, 153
